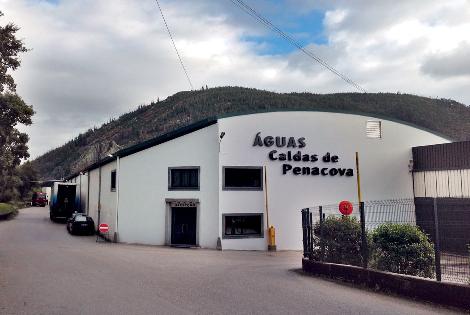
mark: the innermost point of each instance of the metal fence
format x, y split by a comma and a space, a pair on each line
361, 238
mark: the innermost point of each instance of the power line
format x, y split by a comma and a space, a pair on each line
174, 45
252, 12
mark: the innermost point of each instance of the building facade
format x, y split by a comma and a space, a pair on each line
228, 179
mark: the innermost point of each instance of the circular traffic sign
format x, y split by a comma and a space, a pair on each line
103, 228
345, 207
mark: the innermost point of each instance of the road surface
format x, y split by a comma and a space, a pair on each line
44, 270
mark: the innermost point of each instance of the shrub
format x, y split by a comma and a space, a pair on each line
341, 241
402, 248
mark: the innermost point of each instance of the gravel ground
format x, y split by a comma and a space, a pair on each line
44, 270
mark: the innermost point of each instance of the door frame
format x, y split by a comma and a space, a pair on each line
180, 203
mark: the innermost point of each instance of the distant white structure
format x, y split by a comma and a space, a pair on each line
206, 181
47, 191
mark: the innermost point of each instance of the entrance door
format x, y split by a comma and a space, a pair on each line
183, 226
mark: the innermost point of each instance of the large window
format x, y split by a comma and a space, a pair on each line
243, 225
113, 180
183, 178
242, 178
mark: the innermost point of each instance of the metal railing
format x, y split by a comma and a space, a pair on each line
331, 237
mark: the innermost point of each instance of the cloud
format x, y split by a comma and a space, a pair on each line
449, 64
96, 59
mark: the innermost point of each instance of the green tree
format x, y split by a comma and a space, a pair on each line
13, 111
28, 176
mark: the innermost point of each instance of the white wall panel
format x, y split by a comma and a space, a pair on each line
465, 183
419, 184
442, 183
431, 184
455, 183
108, 198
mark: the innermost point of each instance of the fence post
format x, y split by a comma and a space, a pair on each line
322, 243
364, 249
437, 246
304, 232
310, 239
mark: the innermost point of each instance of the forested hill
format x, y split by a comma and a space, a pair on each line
444, 116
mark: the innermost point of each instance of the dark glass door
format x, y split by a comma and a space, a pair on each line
183, 226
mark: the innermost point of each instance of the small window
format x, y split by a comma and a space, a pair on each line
242, 178
243, 225
184, 178
113, 180
374, 129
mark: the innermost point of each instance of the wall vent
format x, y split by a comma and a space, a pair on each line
374, 129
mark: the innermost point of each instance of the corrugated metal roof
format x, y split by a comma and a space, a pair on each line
446, 156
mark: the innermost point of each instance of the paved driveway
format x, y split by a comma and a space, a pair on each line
44, 270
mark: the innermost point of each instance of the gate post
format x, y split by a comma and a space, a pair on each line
310, 232
322, 243
437, 245
364, 249
304, 231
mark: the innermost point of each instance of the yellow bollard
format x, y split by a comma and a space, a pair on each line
271, 239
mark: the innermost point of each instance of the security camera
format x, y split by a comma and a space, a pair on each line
222, 134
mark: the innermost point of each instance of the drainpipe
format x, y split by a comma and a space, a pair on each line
118, 174
99, 194
88, 194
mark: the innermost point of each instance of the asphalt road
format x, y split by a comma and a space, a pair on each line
44, 270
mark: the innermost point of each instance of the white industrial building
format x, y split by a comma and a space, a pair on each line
206, 181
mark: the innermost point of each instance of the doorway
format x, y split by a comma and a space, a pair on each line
183, 226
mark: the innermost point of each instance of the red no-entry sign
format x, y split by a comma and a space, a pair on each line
345, 207
103, 228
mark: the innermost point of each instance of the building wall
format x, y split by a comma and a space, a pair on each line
108, 198
143, 188
384, 166
93, 195
48, 192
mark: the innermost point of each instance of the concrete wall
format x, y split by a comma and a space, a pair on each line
384, 166
143, 188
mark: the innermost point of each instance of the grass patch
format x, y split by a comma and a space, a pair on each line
6, 208
10, 208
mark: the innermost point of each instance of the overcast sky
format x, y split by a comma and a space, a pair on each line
96, 59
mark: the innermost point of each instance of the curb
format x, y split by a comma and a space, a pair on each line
444, 293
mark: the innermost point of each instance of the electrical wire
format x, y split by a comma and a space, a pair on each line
174, 45
253, 13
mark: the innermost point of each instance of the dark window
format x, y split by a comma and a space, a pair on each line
113, 180
183, 178
243, 178
243, 225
